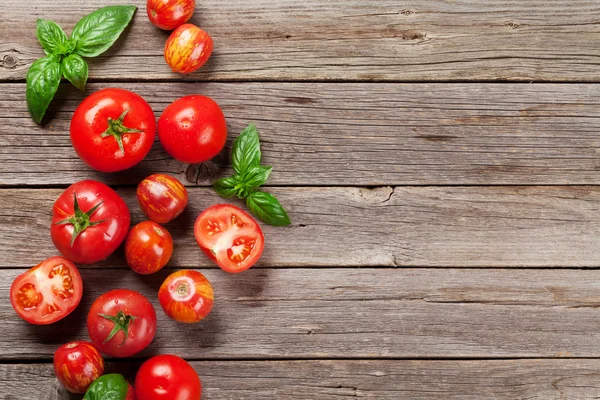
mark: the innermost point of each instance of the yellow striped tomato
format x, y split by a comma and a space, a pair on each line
188, 48
169, 14
186, 296
162, 198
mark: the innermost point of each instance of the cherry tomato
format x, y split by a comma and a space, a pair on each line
148, 247
169, 14
188, 48
186, 296
77, 365
162, 198
121, 323
167, 377
113, 129
192, 129
230, 237
89, 222
47, 292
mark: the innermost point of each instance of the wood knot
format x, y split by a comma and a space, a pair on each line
412, 35
512, 25
201, 174
406, 12
9, 61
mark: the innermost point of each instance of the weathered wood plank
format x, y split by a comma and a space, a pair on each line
347, 134
355, 313
342, 39
331, 380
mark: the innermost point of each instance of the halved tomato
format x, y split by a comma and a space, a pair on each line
47, 292
230, 237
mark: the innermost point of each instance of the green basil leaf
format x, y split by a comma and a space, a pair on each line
267, 208
246, 150
51, 36
257, 176
75, 69
96, 32
226, 187
107, 387
43, 78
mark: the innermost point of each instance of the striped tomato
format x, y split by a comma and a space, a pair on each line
77, 365
186, 296
188, 48
162, 198
169, 14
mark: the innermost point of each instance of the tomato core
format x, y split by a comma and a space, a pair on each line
116, 129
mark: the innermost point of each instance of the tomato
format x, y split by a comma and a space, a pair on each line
169, 14
47, 292
130, 393
186, 296
188, 48
148, 247
121, 323
77, 365
113, 129
230, 237
167, 377
162, 198
89, 222
192, 129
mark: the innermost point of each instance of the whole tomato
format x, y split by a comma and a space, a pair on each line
89, 222
192, 129
186, 296
121, 323
113, 129
162, 198
167, 377
188, 48
169, 14
148, 247
77, 365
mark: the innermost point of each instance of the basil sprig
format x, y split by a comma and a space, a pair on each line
108, 387
92, 36
249, 176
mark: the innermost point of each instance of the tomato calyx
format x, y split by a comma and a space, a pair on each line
80, 220
116, 129
122, 322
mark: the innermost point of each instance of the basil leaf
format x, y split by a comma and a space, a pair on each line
226, 187
43, 78
51, 36
107, 387
96, 32
267, 208
257, 176
75, 69
246, 150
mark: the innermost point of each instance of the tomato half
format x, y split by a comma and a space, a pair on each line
89, 222
167, 377
186, 296
77, 365
230, 237
188, 48
113, 129
169, 14
148, 247
121, 323
162, 198
47, 292
192, 129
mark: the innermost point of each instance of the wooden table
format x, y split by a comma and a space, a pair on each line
440, 161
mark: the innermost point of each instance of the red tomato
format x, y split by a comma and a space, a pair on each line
47, 292
192, 129
169, 14
188, 48
186, 296
130, 394
162, 198
230, 237
167, 377
77, 365
89, 222
148, 247
113, 129
121, 323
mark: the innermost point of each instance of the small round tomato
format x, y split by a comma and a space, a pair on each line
169, 14
121, 323
167, 377
192, 129
186, 296
188, 48
230, 237
47, 292
89, 222
77, 365
162, 198
113, 129
148, 247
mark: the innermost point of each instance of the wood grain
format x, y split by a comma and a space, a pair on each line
339, 40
